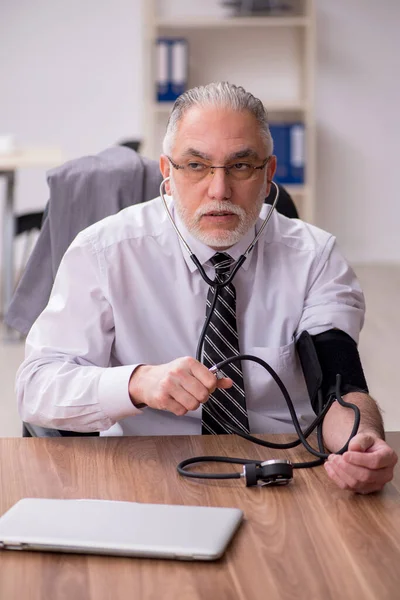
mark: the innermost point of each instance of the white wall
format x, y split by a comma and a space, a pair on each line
70, 75
358, 100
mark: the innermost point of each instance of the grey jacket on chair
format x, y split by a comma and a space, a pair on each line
82, 192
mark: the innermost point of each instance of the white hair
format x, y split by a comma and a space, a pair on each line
222, 95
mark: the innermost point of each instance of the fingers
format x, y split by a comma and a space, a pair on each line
190, 392
168, 403
342, 484
208, 379
194, 392
181, 391
357, 478
379, 459
366, 467
179, 386
362, 441
335, 476
187, 384
224, 383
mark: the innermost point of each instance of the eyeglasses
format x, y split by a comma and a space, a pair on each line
239, 171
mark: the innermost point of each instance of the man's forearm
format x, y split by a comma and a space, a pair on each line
339, 420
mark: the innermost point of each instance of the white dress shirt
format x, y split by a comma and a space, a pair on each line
127, 293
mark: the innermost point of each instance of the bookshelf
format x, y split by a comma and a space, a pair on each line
272, 57
207, 23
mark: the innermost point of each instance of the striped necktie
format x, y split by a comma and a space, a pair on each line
221, 341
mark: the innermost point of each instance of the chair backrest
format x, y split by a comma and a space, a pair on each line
285, 204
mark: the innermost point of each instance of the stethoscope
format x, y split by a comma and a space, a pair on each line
255, 472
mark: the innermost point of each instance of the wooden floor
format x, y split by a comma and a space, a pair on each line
379, 349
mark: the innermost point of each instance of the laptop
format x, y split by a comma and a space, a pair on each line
119, 528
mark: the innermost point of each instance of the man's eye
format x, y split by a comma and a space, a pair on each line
195, 166
241, 166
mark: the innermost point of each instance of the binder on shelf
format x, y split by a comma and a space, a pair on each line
162, 69
289, 148
281, 151
172, 68
297, 153
179, 66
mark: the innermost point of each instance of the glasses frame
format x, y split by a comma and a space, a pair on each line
227, 169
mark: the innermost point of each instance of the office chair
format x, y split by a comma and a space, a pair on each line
26, 223
285, 205
85, 181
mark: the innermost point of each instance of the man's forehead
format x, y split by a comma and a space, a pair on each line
210, 131
245, 152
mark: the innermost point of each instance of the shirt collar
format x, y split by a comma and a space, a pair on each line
204, 253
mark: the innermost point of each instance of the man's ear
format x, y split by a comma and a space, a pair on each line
271, 168
165, 168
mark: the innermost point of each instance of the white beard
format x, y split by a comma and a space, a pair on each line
220, 239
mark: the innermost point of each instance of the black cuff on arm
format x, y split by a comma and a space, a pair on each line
324, 355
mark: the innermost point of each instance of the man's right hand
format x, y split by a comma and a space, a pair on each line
178, 386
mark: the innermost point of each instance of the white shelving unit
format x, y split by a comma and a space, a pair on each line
272, 57
207, 23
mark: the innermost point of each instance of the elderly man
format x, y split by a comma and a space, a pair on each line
114, 349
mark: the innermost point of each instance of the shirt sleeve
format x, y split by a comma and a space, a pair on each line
66, 381
334, 298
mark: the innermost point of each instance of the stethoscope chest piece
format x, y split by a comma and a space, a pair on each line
269, 472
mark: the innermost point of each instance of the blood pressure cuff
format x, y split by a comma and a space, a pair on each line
325, 355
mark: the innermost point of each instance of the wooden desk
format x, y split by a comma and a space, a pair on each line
9, 163
307, 540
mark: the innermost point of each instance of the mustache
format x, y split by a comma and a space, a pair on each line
219, 206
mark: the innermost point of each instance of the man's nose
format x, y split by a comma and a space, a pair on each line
219, 185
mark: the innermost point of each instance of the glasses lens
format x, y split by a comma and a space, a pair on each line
242, 171
195, 171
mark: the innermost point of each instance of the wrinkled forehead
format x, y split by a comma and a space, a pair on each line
218, 134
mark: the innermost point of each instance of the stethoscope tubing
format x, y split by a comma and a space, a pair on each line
302, 436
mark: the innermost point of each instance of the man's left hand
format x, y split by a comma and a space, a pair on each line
366, 467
